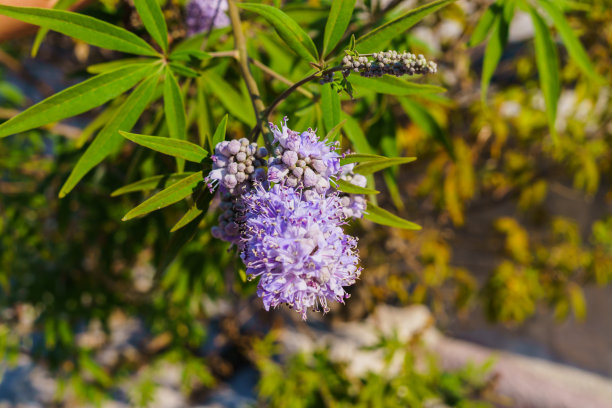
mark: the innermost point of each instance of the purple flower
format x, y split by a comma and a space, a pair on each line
203, 15
302, 159
298, 248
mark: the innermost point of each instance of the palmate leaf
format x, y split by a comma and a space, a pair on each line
172, 147
391, 85
108, 139
373, 166
381, 216
175, 193
290, 31
337, 23
380, 37
548, 67
152, 183
571, 42
345, 186
153, 19
88, 29
495, 46
78, 98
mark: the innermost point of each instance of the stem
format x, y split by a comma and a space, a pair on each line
295, 86
243, 61
220, 54
278, 76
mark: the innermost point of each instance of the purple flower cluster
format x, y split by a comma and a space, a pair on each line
302, 160
202, 15
298, 248
287, 222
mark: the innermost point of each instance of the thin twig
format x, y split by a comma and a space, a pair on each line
221, 54
243, 60
278, 76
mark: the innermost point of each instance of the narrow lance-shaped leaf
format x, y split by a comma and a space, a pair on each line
571, 42
330, 105
381, 216
377, 165
425, 120
495, 46
337, 23
172, 147
174, 111
42, 31
485, 24
199, 207
152, 183
153, 19
78, 98
219, 135
391, 85
236, 105
176, 192
103, 67
353, 132
380, 37
359, 158
347, 187
333, 134
548, 67
88, 29
108, 139
290, 31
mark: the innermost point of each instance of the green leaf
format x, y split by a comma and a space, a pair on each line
219, 135
174, 111
291, 33
42, 31
183, 70
495, 46
332, 135
391, 85
380, 37
331, 107
176, 192
88, 29
152, 183
236, 105
337, 23
353, 132
198, 208
108, 139
114, 65
188, 55
423, 119
380, 216
373, 166
359, 158
178, 241
172, 147
485, 24
345, 186
548, 67
571, 42
77, 99
153, 19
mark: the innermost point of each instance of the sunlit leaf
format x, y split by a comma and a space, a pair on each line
78, 98
219, 135
172, 147
88, 29
152, 183
359, 158
377, 39
347, 187
373, 166
381, 216
291, 33
330, 105
175, 193
337, 22
485, 24
391, 85
236, 105
153, 19
199, 207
